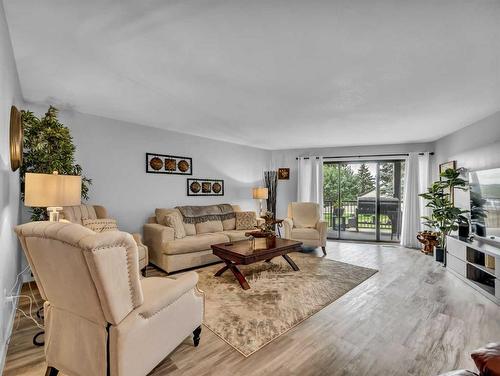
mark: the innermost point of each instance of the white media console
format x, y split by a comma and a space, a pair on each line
477, 263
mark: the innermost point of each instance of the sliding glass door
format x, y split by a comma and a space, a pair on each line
363, 199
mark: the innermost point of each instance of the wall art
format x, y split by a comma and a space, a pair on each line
168, 164
283, 173
205, 187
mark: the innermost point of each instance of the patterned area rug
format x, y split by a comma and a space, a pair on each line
278, 299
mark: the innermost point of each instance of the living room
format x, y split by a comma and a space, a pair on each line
301, 188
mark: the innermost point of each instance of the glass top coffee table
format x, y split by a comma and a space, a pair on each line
242, 253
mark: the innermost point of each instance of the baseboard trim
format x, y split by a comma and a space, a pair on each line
9, 328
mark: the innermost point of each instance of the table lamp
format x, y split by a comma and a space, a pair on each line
52, 191
260, 193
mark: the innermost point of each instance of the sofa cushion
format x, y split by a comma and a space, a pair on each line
195, 243
304, 214
235, 235
487, 359
305, 233
160, 214
76, 213
174, 220
190, 228
246, 220
142, 250
100, 225
208, 227
229, 224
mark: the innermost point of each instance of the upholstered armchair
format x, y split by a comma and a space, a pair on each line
78, 213
304, 224
100, 317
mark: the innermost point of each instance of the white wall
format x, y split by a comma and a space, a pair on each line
112, 154
475, 147
10, 255
287, 189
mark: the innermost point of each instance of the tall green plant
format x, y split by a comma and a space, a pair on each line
48, 147
445, 216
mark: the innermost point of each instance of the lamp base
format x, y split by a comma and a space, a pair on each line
53, 212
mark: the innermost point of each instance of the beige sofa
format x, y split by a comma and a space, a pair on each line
100, 317
171, 254
76, 213
304, 224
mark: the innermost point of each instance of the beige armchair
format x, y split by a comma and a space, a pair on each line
304, 224
76, 213
100, 317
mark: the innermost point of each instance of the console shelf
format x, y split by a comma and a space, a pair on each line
483, 268
477, 263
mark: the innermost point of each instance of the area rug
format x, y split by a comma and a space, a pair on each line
278, 299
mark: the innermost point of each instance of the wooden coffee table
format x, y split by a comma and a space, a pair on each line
241, 253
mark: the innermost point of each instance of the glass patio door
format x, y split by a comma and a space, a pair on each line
362, 199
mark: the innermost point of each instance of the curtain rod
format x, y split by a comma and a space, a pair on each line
369, 156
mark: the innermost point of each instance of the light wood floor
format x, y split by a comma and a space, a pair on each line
411, 318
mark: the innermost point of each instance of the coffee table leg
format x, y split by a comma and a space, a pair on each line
290, 261
240, 277
222, 270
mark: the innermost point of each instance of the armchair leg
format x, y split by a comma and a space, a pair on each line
196, 336
51, 371
324, 250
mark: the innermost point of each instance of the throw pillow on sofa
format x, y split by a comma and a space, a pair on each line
100, 225
246, 220
174, 221
487, 359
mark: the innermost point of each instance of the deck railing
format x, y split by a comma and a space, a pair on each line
347, 217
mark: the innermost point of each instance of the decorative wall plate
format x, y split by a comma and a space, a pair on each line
195, 187
216, 187
183, 165
156, 163
168, 164
16, 139
205, 187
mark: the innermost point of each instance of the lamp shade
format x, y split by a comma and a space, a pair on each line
49, 190
260, 193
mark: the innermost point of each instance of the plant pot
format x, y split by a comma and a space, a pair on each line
463, 231
480, 229
439, 254
429, 240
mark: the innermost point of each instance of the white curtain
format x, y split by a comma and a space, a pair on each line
310, 181
411, 205
424, 180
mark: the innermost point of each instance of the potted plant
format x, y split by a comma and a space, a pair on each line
48, 147
445, 216
478, 213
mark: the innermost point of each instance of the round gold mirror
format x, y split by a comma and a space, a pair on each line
16, 139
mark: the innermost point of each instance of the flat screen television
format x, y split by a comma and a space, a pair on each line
485, 203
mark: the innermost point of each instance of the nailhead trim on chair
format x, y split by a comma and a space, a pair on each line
131, 294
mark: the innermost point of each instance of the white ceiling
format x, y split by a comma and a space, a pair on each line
274, 74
